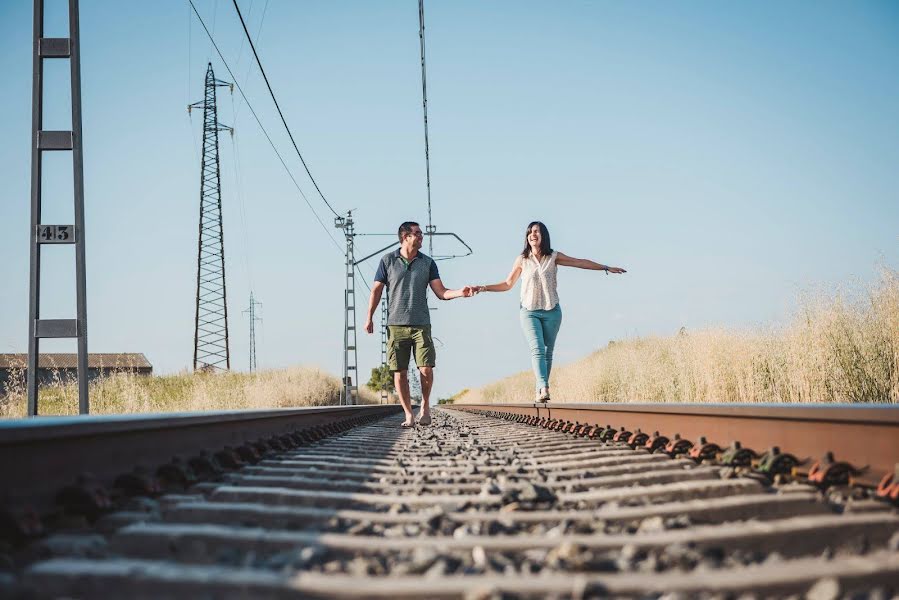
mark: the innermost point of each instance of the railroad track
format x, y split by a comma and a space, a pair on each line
488, 502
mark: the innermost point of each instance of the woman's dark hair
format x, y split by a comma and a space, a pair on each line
545, 247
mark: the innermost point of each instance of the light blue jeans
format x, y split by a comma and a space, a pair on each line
541, 328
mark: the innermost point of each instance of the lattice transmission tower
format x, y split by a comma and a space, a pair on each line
211, 322
253, 318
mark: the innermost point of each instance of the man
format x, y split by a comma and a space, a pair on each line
407, 273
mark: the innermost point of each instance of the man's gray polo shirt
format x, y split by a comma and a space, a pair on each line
407, 287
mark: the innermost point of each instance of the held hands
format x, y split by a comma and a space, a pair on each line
469, 290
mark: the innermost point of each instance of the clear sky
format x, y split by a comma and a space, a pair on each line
729, 155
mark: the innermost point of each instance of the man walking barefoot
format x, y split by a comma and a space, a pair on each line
407, 273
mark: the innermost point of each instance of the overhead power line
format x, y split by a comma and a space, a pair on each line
262, 127
281, 114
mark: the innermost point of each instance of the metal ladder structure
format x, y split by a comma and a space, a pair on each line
349, 391
42, 233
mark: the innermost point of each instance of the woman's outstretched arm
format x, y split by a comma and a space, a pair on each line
504, 286
583, 263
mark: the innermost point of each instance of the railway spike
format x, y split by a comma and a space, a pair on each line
87, 497
888, 488
828, 471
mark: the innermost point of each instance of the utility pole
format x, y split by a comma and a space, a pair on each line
384, 384
253, 319
349, 393
211, 320
41, 233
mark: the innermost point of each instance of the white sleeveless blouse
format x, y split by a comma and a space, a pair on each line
538, 282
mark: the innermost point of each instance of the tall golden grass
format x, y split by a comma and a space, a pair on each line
838, 348
124, 393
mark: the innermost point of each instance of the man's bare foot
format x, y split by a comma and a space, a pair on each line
424, 419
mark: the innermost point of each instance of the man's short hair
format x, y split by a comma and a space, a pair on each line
406, 228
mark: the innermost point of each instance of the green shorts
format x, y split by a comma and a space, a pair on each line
401, 340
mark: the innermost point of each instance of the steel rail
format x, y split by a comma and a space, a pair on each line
865, 437
42, 456
474, 505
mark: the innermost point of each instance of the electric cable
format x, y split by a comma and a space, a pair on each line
250, 66
281, 114
262, 127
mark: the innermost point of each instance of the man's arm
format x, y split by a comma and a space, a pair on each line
444, 294
373, 301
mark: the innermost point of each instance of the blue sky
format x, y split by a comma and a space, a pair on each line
729, 155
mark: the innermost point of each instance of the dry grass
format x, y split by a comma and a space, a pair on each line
124, 393
841, 347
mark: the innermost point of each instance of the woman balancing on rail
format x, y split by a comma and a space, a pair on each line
540, 312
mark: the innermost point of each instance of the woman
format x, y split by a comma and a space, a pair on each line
540, 312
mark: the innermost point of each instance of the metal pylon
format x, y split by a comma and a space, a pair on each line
253, 319
349, 391
40, 234
211, 320
384, 384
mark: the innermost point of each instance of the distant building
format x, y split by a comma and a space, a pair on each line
53, 368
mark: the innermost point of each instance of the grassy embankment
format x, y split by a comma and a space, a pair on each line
841, 347
127, 393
